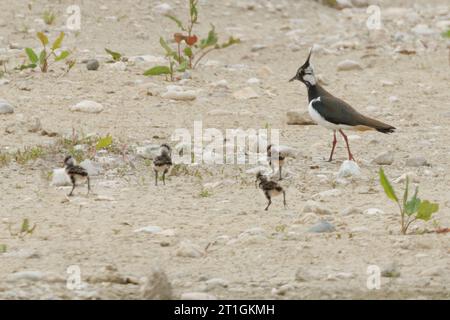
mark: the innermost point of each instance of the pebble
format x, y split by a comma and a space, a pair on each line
302, 275
295, 117
385, 158
87, 106
216, 283
312, 206
197, 296
149, 229
178, 93
221, 84
264, 72
92, 64
92, 168
322, 227
418, 161
156, 286
327, 194
4, 82
5, 107
349, 169
410, 175
373, 211
60, 178
26, 275
351, 211
119, 66
162, 9
347, 65
189, 250
253, 81
245, 94
258, 47
149, 151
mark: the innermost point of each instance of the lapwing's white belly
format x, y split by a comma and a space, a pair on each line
317, 118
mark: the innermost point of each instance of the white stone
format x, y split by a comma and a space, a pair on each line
119, 66
385, 158
245, 94
351, 211
87, 106
5, 107
60, 178
178, 93
149, 229
91, 167
252, 81
221, 84
26, 275
157, 286
347, 65
349, 169
410, 175
189, 250
418, 161
373, 211
312, 206
162, 9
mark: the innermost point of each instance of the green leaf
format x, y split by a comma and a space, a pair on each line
43, 38
230, 42
387, 186
211, 40
169, 51
177, 21
31, 55
193, 10
446, 34
104, 142
27, 66
412, 205
158, 70
25, 226
115, 55
43, 56
62, 56
405, 194
426, 209
188, 52
2, 248
58, 42
183, 66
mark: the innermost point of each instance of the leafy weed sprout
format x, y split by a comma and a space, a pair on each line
49, 17
24, 230
43, 59
189, 51
411, 209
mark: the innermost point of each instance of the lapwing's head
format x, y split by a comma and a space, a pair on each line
165, 149
69, 161
260, 177
305, 73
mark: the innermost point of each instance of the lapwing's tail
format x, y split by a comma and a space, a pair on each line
387, 129
377, 125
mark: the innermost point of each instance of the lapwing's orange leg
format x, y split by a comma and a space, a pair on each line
350, 156
334, 146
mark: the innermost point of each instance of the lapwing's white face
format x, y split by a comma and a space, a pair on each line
308, 76
69, 161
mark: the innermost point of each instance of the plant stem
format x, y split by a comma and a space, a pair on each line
202, 56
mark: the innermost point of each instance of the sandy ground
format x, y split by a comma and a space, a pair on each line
245, 252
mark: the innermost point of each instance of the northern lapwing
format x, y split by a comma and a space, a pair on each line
270, 188
333, 113
163, 162
76, 174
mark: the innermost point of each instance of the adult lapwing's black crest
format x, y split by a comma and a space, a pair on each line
163, 162
76, 173
270, 188
334, 113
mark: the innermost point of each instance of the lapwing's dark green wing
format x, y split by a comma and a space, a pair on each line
339, 112
162, 160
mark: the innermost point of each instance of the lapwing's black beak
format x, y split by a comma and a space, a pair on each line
294, 78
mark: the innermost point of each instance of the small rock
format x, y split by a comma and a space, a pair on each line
373, 211
157, 286
4, 82
216, 283
391, 271
327, 194
221, 84
312, 206
299, 118
178, 93
197, 296
119, 66
245, 94
149, 229
385, 158
302, 275
410, 175
418, 161
35, 125
258, 47
348, 65
163, 9
349, 169
322, 227
60, 178
264, 72
92, 64
87, 106
189, 250
26, 275
351, 211
393, 99
5, 107
253, 81
387, 83
92, 168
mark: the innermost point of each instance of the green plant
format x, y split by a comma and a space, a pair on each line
49, 17
446, 34
190, 51
104, 143
205, 193
5, 159
116, 56
2, 248
29, 154
411, 209
43, 59
25, 229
